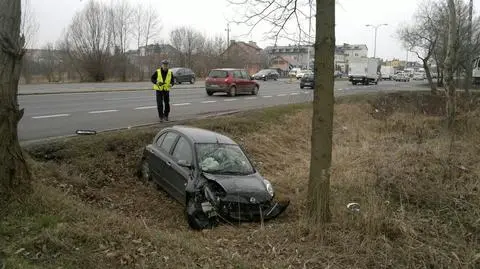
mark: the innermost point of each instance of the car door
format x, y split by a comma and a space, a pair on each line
160, 163
178, 174
239, 81
249, 83
189, 74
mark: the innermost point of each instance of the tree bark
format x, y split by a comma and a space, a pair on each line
433, 86
322, 120
469, 69
449, 60
14, 173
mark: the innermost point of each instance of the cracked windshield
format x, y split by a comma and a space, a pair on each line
223, 159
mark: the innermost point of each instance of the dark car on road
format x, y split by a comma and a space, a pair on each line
266, 74
308, 80
211, 175
230, 81
181, 74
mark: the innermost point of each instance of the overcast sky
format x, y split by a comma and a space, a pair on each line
210, 17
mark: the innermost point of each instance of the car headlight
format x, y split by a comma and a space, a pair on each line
263, 75
269, 187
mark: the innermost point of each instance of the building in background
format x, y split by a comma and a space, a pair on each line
246, 55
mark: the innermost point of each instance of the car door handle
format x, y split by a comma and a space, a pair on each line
169, 163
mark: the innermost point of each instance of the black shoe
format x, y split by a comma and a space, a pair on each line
161, 119
166, 118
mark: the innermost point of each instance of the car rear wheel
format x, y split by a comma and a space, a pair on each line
255, 90
301, 87
192, 80
232, 91
209, 93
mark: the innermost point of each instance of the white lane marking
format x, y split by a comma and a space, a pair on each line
267, 96
181, 104
250, 98
281, 95
306, 92
230, 100
294, 93
51, 116
145, 107
339, 89
208, 102
125, 98
103, 111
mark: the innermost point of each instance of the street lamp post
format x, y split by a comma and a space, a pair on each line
309, 33
376, 26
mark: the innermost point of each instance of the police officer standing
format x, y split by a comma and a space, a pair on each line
162, 82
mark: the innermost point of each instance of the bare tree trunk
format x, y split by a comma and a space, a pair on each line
433, 86
322, 120
14, 173
449, 60
469, 69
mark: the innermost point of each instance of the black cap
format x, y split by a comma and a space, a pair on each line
164, 62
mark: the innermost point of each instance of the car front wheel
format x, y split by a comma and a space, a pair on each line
255, 90
232, 91
192, 80
196, 218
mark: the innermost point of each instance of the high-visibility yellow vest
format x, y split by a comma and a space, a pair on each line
166, 86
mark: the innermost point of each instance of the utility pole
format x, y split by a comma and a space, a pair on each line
228, 34
376, 30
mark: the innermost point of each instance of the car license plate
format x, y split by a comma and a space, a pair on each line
213, 86
308, 83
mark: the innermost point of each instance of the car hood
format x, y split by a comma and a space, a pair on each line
245, 186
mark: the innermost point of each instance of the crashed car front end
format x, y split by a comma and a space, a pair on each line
218, 203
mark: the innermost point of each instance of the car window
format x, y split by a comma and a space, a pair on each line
183, 151
237, 74
245, 75
188, 71
168, 141
218, 74
160, 139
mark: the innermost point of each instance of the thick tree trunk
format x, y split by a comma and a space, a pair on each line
449, 60
469, 69
14, 173
433, 86
322, 120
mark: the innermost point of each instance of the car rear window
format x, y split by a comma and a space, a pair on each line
218, 74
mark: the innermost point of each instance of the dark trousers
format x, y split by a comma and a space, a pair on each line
163, 97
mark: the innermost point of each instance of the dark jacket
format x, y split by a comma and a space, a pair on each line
164, 76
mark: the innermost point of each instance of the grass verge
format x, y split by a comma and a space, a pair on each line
418, 191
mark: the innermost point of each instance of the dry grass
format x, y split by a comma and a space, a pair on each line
420, 201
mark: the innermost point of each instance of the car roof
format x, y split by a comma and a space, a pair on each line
227, 69
198, 135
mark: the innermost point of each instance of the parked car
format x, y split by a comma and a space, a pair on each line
181, 74
301, 73
266, 74
337, 74
211, 175
401, 76
231, 81
294, 72
418, 76
308, 80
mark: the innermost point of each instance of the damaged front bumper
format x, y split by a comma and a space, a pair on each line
251, 212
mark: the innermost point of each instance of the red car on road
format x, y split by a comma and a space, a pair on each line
231, 81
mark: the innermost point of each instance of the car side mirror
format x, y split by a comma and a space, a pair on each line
184, 163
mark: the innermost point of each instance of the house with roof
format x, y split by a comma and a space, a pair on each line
296, 55
245, 55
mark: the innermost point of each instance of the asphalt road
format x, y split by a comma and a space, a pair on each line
61, 114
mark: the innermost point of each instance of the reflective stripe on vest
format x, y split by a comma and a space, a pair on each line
166, 86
